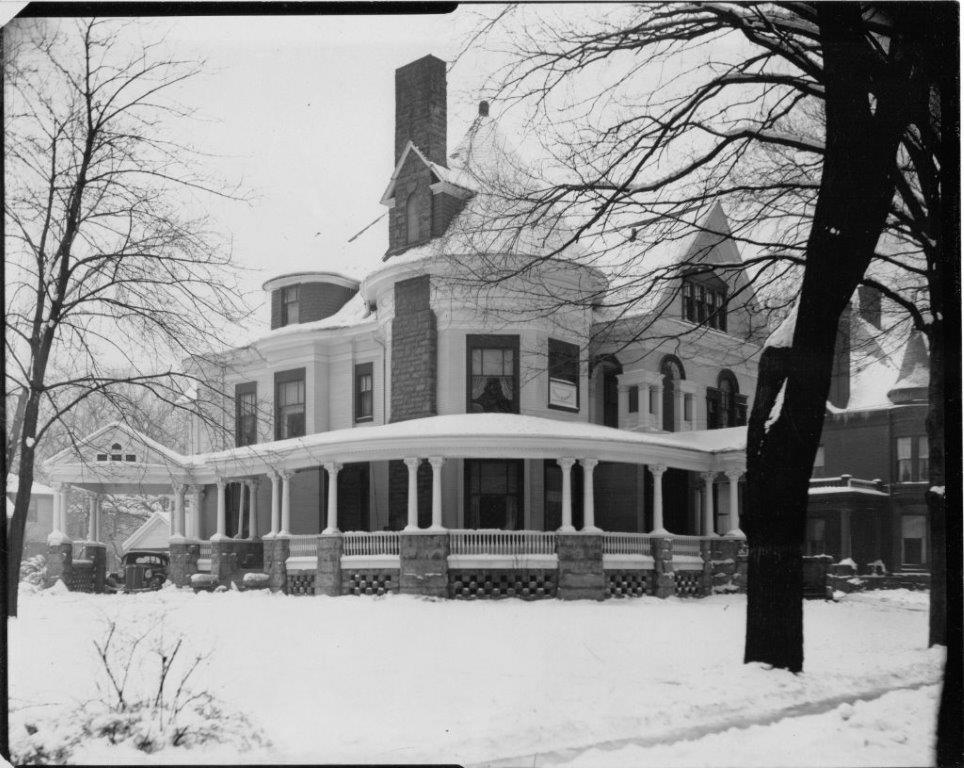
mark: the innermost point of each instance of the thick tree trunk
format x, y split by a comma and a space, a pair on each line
18, 523
937, 523
856, 189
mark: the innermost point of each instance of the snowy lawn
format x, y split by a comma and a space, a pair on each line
402, 679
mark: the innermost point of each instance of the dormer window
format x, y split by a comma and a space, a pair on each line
704, 304
289, 305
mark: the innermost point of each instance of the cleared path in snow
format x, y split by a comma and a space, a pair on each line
736, 726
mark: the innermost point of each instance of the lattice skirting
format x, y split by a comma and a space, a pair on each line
300, 583
475, 584
630, 583
689, 583
81, 579
369, 582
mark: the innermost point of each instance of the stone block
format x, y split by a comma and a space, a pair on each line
665, 584
275, 554
184, 557
424, 564
225, 566
60, 557
581, 573
328, 573
662, 549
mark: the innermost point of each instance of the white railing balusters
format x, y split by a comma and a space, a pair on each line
366, 543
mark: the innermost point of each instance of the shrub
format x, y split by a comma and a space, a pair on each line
203, 582
156, 713
255, 581
33, 570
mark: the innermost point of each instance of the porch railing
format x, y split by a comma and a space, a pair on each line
205, 549
687, 545
846, 481
303, 545
374, 543
627, 543
495, 542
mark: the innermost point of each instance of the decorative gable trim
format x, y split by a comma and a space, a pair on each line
442, 184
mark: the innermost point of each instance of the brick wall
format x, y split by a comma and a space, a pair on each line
414, 351
420, 108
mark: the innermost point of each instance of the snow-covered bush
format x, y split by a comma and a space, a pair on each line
204, 581
146, 704
255, 581
33, 570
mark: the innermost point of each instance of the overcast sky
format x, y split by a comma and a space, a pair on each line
301, 109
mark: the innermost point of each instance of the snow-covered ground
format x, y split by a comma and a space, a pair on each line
402, 679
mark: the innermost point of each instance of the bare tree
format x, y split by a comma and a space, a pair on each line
112, 278
816, 126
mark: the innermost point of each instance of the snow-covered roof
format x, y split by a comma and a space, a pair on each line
154, 533
354, 312
37, 489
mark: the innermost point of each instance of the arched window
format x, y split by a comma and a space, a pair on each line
671, 369
411, 219
725, 406
729, 389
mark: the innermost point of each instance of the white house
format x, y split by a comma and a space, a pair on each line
418, 397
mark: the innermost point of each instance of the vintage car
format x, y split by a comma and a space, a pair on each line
142, 571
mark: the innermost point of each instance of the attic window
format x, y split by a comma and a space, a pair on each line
130, 457
704, 304
101, 457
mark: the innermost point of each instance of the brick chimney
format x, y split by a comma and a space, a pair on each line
420, 108
868, 301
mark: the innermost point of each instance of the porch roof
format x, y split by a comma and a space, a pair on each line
484, 435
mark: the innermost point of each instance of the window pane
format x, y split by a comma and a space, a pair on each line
903, 447
923, 448
633, 399
818, 459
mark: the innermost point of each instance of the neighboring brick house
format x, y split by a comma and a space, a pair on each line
870, 475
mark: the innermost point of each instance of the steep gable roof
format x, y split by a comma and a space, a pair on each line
457, 179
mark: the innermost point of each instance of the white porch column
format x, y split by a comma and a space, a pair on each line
588, 499
734, 477
658, 470
241, 506
659, 407
332, 468
566, 466
194, 524
222, 518
436, 462
285, 504
178, 514
412, 464
624, 419
275, 504
91, 517
253, 509
98, 504
708, 478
